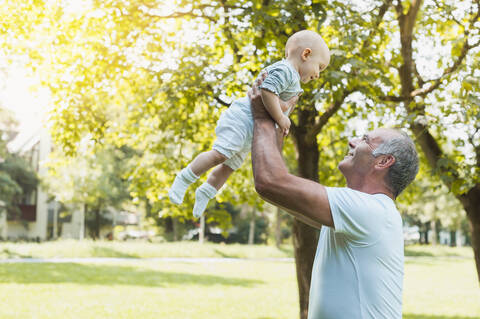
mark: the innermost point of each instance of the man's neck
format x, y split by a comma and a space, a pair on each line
370, 187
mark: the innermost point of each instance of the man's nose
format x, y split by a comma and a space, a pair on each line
353, 142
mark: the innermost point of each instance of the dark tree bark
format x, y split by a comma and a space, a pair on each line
427, 142
97, 223
278, 228
305, 238
471, 203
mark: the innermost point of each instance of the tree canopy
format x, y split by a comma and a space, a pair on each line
155, 75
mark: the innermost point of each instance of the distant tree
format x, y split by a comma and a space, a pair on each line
17, 178
95, 179
120, 75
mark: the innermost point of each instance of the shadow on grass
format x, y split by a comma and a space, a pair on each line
12, 254
88, 274
109, 252
288, 250
422, 316
224, 255
416, 253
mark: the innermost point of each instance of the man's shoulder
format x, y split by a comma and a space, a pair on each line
361, 216
356, 194
348, 200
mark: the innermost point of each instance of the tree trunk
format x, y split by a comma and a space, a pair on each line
471, 204
278, 228
251, 230
305, 238
428, 143
201, 231
453, 238
97, 223
175, 229
434, 232
427, 228
305, 243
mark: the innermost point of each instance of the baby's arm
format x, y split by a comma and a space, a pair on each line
272, 104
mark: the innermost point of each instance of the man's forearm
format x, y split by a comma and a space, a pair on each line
269, 166
266, 150
302, 198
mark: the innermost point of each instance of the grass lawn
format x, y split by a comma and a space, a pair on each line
435, 286
88, 248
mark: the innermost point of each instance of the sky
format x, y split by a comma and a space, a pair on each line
19, 95
17, 92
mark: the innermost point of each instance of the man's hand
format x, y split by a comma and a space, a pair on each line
258, 109
284, 124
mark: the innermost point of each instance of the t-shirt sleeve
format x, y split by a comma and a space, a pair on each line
355, 214
278, 79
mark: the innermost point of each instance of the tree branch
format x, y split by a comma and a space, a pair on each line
293, 129
332, 109
399, 8
191, 13
476, 148
391, 98
466, 47
453, 68
381, 13
450, 15
229, 34
421, 82
217, 98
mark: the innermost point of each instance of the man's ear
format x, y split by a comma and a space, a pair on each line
306, 53
385, 161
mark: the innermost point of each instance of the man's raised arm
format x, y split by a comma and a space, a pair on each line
304, 199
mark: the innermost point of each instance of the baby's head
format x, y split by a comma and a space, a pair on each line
307, 51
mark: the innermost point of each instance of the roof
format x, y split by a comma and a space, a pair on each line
25, 140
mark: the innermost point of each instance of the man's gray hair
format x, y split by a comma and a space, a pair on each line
405, 168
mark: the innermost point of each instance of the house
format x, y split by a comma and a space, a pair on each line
39, 218
42, 217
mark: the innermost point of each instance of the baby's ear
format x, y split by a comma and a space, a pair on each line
306, 53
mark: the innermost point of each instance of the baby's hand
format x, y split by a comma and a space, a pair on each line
288, 105
284, 124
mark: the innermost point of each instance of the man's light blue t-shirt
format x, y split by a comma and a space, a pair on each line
358, 268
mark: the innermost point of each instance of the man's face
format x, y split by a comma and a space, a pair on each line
359, 161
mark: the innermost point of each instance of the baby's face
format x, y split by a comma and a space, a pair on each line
313, 64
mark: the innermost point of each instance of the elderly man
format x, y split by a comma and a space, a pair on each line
358, 267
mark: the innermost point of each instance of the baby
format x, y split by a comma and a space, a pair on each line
306, 55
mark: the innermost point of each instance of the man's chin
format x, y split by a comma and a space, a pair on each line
342, 166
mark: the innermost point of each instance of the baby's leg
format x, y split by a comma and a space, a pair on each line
202, 163
219, 175
209, 189
206, 160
